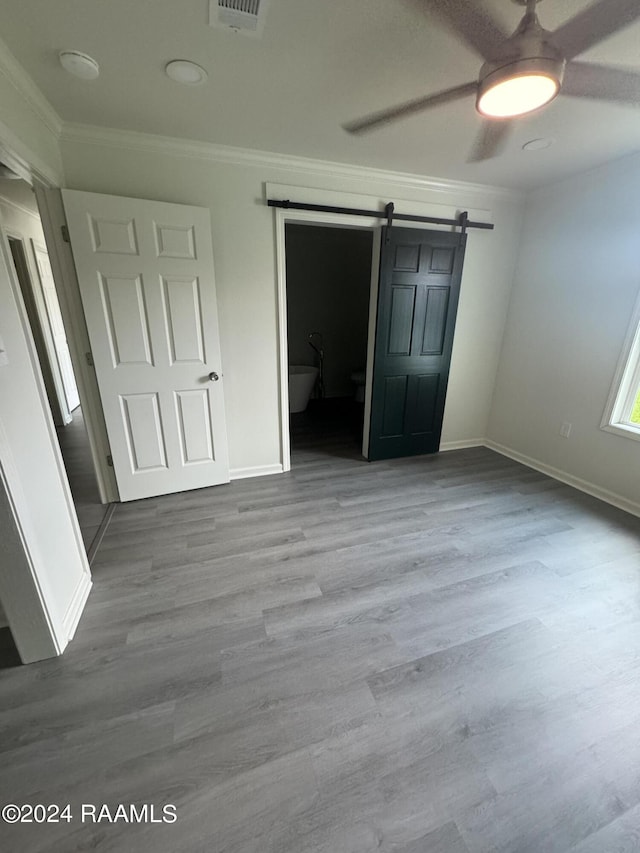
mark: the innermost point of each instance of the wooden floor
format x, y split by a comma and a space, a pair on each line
76, 454
432, 655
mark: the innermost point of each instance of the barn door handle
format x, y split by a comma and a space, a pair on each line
213, 376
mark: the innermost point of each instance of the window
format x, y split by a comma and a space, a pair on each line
622, 414
635, 411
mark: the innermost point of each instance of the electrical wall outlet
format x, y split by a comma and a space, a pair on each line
565, 430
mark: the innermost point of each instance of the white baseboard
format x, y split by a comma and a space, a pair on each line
74, 611
255, 471
461, 445
557, 474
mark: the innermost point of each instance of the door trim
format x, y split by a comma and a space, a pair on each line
336, 220
40, 247
64, 274
34, 285
36, 628
38, 633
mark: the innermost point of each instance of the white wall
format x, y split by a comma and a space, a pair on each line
577, 280
328, 288
244, 251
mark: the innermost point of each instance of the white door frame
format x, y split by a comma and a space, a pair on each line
69, 385
38, 629
44, 332
64, 274
330, 220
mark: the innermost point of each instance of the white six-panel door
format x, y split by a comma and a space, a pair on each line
146, 279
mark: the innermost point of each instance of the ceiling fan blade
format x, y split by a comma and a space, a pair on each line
490, 141
595, 23
472, 23
602, 82
409, 107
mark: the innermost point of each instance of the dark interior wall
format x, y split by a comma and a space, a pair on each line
328, 282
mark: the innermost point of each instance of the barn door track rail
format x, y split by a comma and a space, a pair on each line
463, 222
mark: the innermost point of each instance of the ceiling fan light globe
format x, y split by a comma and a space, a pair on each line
517, 95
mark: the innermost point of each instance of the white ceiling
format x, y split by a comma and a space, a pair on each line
319, 63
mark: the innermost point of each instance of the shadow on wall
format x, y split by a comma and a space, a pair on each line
9, 655
328, 282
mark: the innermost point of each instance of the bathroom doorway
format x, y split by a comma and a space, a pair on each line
328, 286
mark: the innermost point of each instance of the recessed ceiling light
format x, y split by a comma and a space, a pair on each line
79, 64
183, 71
538, 144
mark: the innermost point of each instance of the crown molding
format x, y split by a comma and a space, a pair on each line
20, 80
212, 152
25, 162
10, 203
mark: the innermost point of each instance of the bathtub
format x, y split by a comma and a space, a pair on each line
302, 378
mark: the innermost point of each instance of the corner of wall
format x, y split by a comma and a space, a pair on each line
30, 128
514, 275
574, 289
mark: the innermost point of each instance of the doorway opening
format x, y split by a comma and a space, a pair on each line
22, 227
328, 291
415, 279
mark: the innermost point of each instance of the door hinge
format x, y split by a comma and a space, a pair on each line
89, 357
110, 460
65, 233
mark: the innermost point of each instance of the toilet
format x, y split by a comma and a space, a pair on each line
358, 377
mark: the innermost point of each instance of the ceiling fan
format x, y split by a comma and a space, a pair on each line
526, 70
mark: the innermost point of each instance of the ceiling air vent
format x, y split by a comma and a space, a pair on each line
245, 16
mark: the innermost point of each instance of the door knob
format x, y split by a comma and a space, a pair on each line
213, 376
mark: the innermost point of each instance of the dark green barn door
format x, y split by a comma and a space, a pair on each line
419, 287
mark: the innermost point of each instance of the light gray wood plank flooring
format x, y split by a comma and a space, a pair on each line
431, 655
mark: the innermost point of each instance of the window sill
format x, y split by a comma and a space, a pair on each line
625, 430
